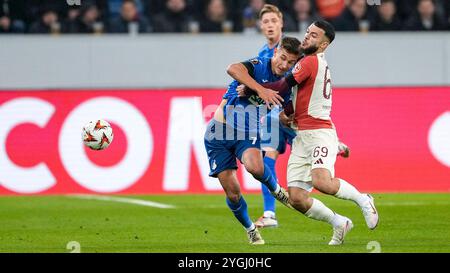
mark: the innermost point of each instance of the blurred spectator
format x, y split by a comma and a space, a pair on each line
250, 15
36, 8
174, 18
215, 18
87, 20
386, 19
47, 23
447, 12
153, 7
130, 21
6, 25
405, 8
426, 18
304, 16
102, 8
220, 15
330, 9
12, 15
115, 7
71, 22
354, 17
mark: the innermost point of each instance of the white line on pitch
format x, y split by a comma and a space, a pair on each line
123, 200
400, 203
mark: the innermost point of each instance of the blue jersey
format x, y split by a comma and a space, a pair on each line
261, 70
266, 52
286, 134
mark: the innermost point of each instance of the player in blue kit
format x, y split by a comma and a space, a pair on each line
234, 132
271, 22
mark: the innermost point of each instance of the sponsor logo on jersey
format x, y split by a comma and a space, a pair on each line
254, 61
319, 161
256, 100
297, 67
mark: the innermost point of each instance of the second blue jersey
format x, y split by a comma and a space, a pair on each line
266, 51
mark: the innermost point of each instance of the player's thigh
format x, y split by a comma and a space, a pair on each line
249, 153
299, 166
253, 161
299, 173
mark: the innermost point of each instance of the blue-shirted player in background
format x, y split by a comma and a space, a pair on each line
234, 132
271, 23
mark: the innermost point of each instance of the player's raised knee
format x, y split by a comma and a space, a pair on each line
255, 168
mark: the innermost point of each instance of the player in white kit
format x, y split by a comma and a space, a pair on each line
314, 149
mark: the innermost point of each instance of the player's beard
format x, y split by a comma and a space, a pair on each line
310, 50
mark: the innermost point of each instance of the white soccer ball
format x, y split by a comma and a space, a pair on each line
97, 134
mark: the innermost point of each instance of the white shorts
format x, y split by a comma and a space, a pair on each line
311, 149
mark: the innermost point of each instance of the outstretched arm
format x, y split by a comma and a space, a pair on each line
283, 86
239, 72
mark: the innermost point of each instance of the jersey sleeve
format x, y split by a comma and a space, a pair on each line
304, 68
254, 66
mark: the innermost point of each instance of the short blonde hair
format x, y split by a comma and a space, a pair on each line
270, 8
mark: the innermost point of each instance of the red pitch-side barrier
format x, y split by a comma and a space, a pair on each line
399, 140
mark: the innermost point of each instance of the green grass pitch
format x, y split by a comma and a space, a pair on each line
203, 223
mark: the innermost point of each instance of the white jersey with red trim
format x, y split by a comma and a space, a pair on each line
312, 95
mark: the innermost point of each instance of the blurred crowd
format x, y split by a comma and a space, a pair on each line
206, 16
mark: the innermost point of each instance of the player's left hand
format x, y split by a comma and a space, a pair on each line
271, 98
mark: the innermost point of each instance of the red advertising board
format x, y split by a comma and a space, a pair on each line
399, 140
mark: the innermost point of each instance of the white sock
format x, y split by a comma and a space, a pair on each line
252, 227
269, 214
348, 192
320, 212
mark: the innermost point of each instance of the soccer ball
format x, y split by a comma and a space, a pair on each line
97, 134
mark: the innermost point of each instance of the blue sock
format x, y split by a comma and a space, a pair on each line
240, 211
269, 200
268, 179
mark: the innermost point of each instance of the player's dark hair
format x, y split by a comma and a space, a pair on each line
327, 27
291, 45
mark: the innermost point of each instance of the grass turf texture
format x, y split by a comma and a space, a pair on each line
203, 223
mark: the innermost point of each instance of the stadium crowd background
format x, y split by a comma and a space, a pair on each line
215, 16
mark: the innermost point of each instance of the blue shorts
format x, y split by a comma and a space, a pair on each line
285, 135
222, 153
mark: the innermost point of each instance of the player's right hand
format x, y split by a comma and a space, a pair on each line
271, 97
241, 90
286, 120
